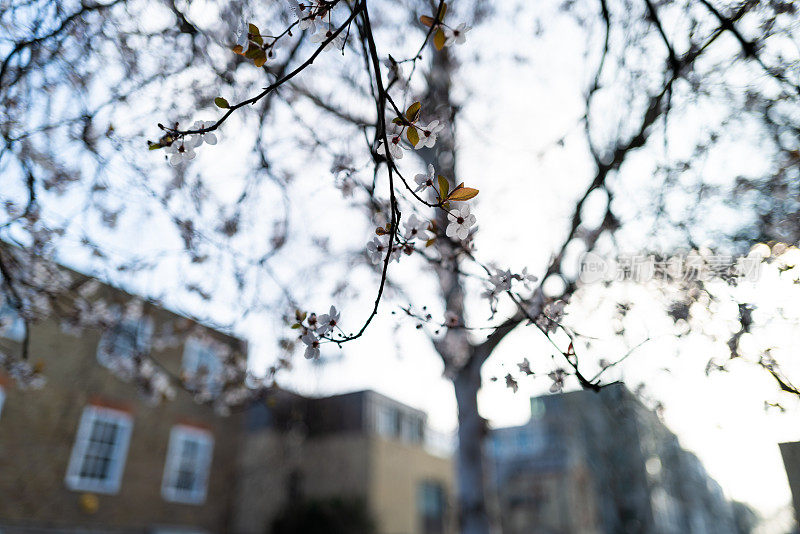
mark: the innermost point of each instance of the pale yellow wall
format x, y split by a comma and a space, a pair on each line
396, 472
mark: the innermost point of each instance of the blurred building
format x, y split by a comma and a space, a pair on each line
89, 453
601, 463
362, 447
791, 460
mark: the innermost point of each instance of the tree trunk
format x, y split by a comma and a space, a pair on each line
473, 517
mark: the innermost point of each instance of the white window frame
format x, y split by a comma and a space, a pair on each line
119, 454
192, 362
144, 335
179, 435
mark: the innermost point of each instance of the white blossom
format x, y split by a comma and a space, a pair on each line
336, 43
328, 321
306, 13
207, 137
428, 134
558, 376
395, 148
376, 250
457, 35
181, 151
425, 180
416, 228
526, 278
312, 345
460, 222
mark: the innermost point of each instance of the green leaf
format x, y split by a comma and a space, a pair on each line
444, 187
397, 120
438, 39
221, 103
153, 146
413, 135
412, 113
253, 29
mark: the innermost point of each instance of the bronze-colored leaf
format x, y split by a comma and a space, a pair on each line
413, 135
439, 38
413, 111
463, 193
427, 21
260, 59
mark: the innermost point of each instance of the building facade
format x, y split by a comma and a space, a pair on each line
89, 452
362, 447
791, 461
602, 463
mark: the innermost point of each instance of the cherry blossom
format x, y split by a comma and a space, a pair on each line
428, 134
376, 250
395, 148
181, 151
207, 137
312, 345
425, 180
460, 222
307, 13
336, 43
558, 376
458, 35
416, 228
526, 278
328, 321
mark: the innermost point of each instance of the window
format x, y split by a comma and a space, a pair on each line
200, 359
188, 462
12, 326
413, 428
387, 421
124, 339
98, 455
431, 506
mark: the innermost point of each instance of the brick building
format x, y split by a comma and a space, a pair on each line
89, 453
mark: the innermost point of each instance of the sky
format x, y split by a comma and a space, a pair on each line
519, 97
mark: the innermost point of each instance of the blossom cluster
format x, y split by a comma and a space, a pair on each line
417, 134
501, 281
315, 328
182, 150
